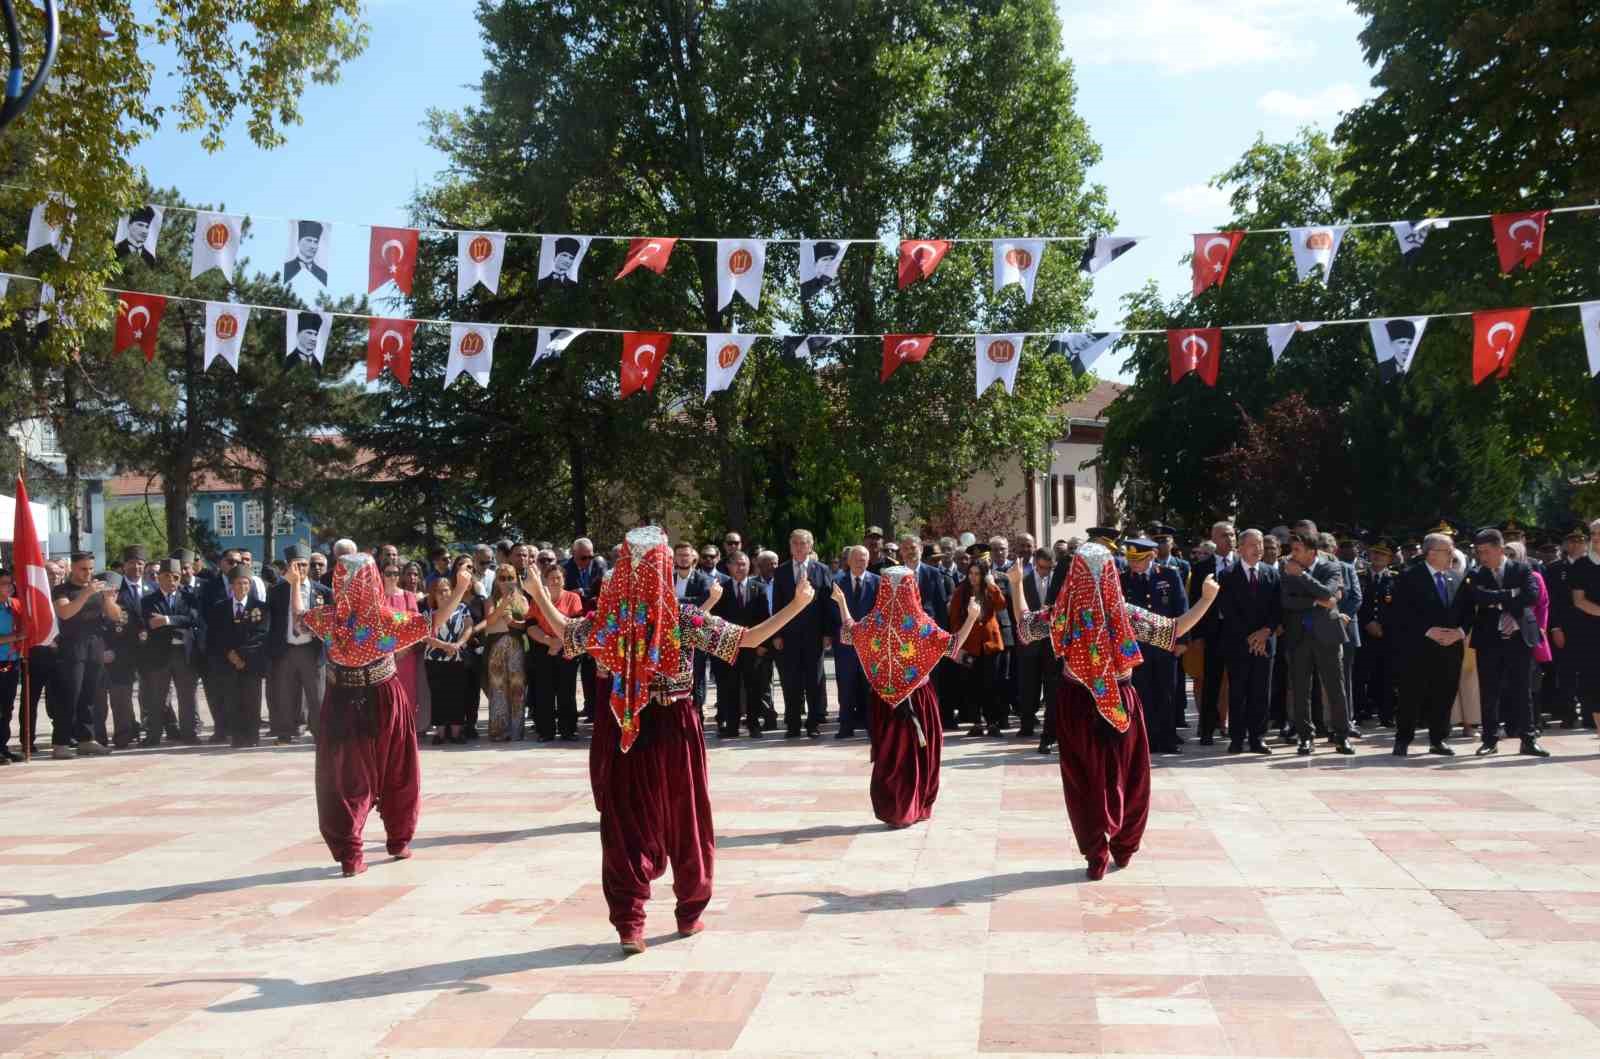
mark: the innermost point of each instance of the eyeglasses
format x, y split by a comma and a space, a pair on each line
546, 560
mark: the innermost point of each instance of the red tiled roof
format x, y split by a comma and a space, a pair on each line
139, 484
1093, 404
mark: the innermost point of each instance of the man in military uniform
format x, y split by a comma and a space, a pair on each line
1156, 588
1375, 670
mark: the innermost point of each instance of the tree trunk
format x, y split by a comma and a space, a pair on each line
580, 490
269, 495
176, 475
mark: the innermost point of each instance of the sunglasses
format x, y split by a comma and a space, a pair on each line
546, 560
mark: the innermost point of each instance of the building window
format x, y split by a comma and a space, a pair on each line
254, 519
48, 445
222, 518
283, 522
1055, 498
1069, 496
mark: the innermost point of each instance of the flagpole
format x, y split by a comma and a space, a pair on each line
27, 617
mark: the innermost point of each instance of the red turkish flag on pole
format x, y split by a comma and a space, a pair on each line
902, 349
138, 317
642, 355
389, 346
1519, 237
650, 253
393, 256
918, 259
1196, 349
38, 614
1213, 253
1495, 338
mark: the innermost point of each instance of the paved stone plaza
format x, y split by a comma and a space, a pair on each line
177, 902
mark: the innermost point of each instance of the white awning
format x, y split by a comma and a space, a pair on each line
8, 520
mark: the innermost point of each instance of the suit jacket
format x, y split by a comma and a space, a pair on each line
1246, 610
279, 614
247, 635
754, 610
936, 588
1302, 617
1350, 603
698, 589
727, 607
806, 630
858, 604
1416, 608
186, 630
586, 583
1516, 593
1210, 626
1033, 599
1159, 590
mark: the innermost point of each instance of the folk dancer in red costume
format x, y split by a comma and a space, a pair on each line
1105, 751
898, 645
367, 736
647, 759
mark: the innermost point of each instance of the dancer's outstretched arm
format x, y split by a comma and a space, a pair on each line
804, 593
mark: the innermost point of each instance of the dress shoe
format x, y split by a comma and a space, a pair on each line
1486, 749
217, 738
1258, 747
1045, 746
1179, 739
1344, 747
976, 731
288, 740
1304, 749
844, 733
792, 733
755, 733
1532, 748
92, 748
62, 752
813, 732
572, 737
1025, 733
1235, 748
1286, 735
1441, 750
7, 753
1401, 749
1206, 740
174, 734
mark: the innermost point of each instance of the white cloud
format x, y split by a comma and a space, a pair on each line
1185, 37
1325, 105
1200, 202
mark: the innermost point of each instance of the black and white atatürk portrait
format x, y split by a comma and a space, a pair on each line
1395, 341
819, 265
559, 259
307, 337
1082, 348
137, 233
308, 251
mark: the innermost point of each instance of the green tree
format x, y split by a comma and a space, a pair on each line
135, 524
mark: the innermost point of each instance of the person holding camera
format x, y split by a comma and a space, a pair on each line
86, 610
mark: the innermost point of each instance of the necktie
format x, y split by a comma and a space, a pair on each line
1252, 579
855, 588
741, 594
1438, 580
238, 612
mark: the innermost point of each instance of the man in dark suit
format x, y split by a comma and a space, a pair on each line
1036, 663
1561, 690
173, 652
297, 674
804, 638
1158, 589
935, 587
691, 585
757, 665
124, 641
1504, 634
237, 629
730, 606
1425, 624
585, 574
1375, 664
1313, 633
1253, 600
1208, 634
1344, 551
860, 587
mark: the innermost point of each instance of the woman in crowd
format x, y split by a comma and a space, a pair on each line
979, 651
555, 677
411, 578
445, 660
405, 662
472, 653
503, 629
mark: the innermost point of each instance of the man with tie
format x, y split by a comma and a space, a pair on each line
1314, 637
238, 625
860, 587
1343, 551
730, 607
691, 585
803, 640
585, 573
759, 663
1252, 603
1209, 632
1426, 625
744, 691
1504, 594
1157, 589
1375, 665
1037, 668
125, 644
172, 655
296, 681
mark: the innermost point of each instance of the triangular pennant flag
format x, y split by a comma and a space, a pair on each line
559, 259
998, 356
389, 348
471, 352
1213, 253
642, 355
1519, 238
813, 345
1083, 348
5, 281
479, 256
392, 257
553, 341
1395, 341
724, 357
43, 233
216, 243
819, 264
902, 349
1195, 349
1104, 249
47, 303
1017, 261
1278, 336
137, 232
918, 259
1315, 248
740, 263
310, 243
1411, 236
648, 253
138, 317
1589, 313
1495, 338
225, 324
305, 336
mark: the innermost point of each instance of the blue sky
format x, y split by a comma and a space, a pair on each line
1173, 90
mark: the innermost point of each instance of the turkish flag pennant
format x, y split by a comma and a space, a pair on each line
138, 317
1213, 253
918, 259
902, 349
1519, 237
393, 256
649, 253
389, 347
1495, 338
38, 615
1196, 349
642, 354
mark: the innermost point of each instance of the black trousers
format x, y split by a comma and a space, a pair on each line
80, 675
1504, 666
1033, 665
447, 691
1429, 683
755, 676
41, 681
1156, 681
154, 683
981, 702
241, 697
1249, 696
852, 688
1211, 689
700, 660
804, 691
730, 695
1583, 643
1375, 681
555, 693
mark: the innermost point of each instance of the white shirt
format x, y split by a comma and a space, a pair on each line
297, 634
1225, 562
680, 584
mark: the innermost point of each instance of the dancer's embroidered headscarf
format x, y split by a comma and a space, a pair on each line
636, 633
360, 625
897, 642
1090, 631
